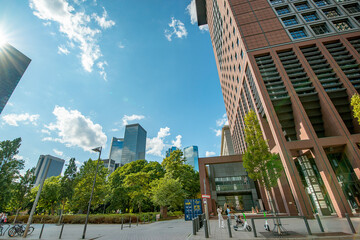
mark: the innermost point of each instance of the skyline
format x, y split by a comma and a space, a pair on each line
98, 66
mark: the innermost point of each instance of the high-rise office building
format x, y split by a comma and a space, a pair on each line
227, 147
191, 155
170, 150
134, 144
12, 66
115, 154
55, 168
296, 64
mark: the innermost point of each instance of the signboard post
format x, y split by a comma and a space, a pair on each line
192, 208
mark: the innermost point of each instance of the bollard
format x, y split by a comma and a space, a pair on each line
122, 222
198, 223
62, 228
253, 226
201, 221
229, 228
206, 229
130, 221
307, 226
319, 222
350, 223
42, 229
194, 227
137, 220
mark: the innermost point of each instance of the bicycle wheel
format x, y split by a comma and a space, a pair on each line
248, 228
12, 232
31, 230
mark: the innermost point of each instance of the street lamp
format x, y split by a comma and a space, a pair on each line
98, 149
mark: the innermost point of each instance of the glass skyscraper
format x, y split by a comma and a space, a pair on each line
12, 66
55, 169
134, 144
170, 150
191, 155
115, 153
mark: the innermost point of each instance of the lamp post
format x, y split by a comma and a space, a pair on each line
98, 149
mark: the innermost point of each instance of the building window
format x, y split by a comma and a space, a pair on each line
302, 6
273, 2
239, 68
310, 17
352, 8
321, 3
241, 54
282, 10
237, 41
236, 56
343, 25
290, 21
331, 12
320, 29
298, 33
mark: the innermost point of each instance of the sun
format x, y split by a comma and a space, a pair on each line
3, 37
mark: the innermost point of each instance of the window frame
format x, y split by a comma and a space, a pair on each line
287, 20
305, 16
320, 25
302, 4
343, 20
330, 9
291, 31
282, 8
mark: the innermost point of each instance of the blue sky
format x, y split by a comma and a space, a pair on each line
97, 65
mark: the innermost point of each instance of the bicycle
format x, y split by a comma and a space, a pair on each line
19, 230
2, 231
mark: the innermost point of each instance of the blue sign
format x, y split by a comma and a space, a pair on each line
192, 208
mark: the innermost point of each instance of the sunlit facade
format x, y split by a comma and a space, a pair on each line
115, 154
134, 144
191, 155
55, 168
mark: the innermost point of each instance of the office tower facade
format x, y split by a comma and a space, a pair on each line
170, 150
12, 66
134, 144
296, 64
55, 168
191, 155
115, 154
227, 147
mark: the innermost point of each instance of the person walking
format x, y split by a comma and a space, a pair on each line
221, 219
228, 212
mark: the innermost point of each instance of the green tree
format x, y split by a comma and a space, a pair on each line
9, 169
261, 165
355, 103
67, 184
138, 187
167, 192
21, 191
175, 167
49, 197
84, 183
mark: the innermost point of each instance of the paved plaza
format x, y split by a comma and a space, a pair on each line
179, 229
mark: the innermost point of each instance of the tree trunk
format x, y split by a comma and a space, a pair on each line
163, 212
61, 212
274, 210
17, 214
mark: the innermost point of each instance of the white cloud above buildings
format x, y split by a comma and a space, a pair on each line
77, 27
24, 118
220, 123
209, 154
177, 142
75, 130
191, 10
155, 145
177, 29
57, 152
126, 118
63, 50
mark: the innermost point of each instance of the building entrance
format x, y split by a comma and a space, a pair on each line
238, 201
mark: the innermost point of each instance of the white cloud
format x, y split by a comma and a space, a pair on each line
209, 154
57, 152
217, 132
74, 129
155, 145
75, 26
121, 45
45, 131
114, 130
177, 142
177, 28
63, 50
191, 10
102, 69
222, 121
26, 118
18, 157
103, 23
133, 117
47, 23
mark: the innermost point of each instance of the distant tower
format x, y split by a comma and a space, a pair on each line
227, 147
116, 149
191, 155
55, 168
134, 144
12, 66
170, 150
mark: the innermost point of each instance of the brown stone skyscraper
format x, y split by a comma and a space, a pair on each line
297, 64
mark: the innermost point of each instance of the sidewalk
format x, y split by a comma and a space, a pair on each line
335, 228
